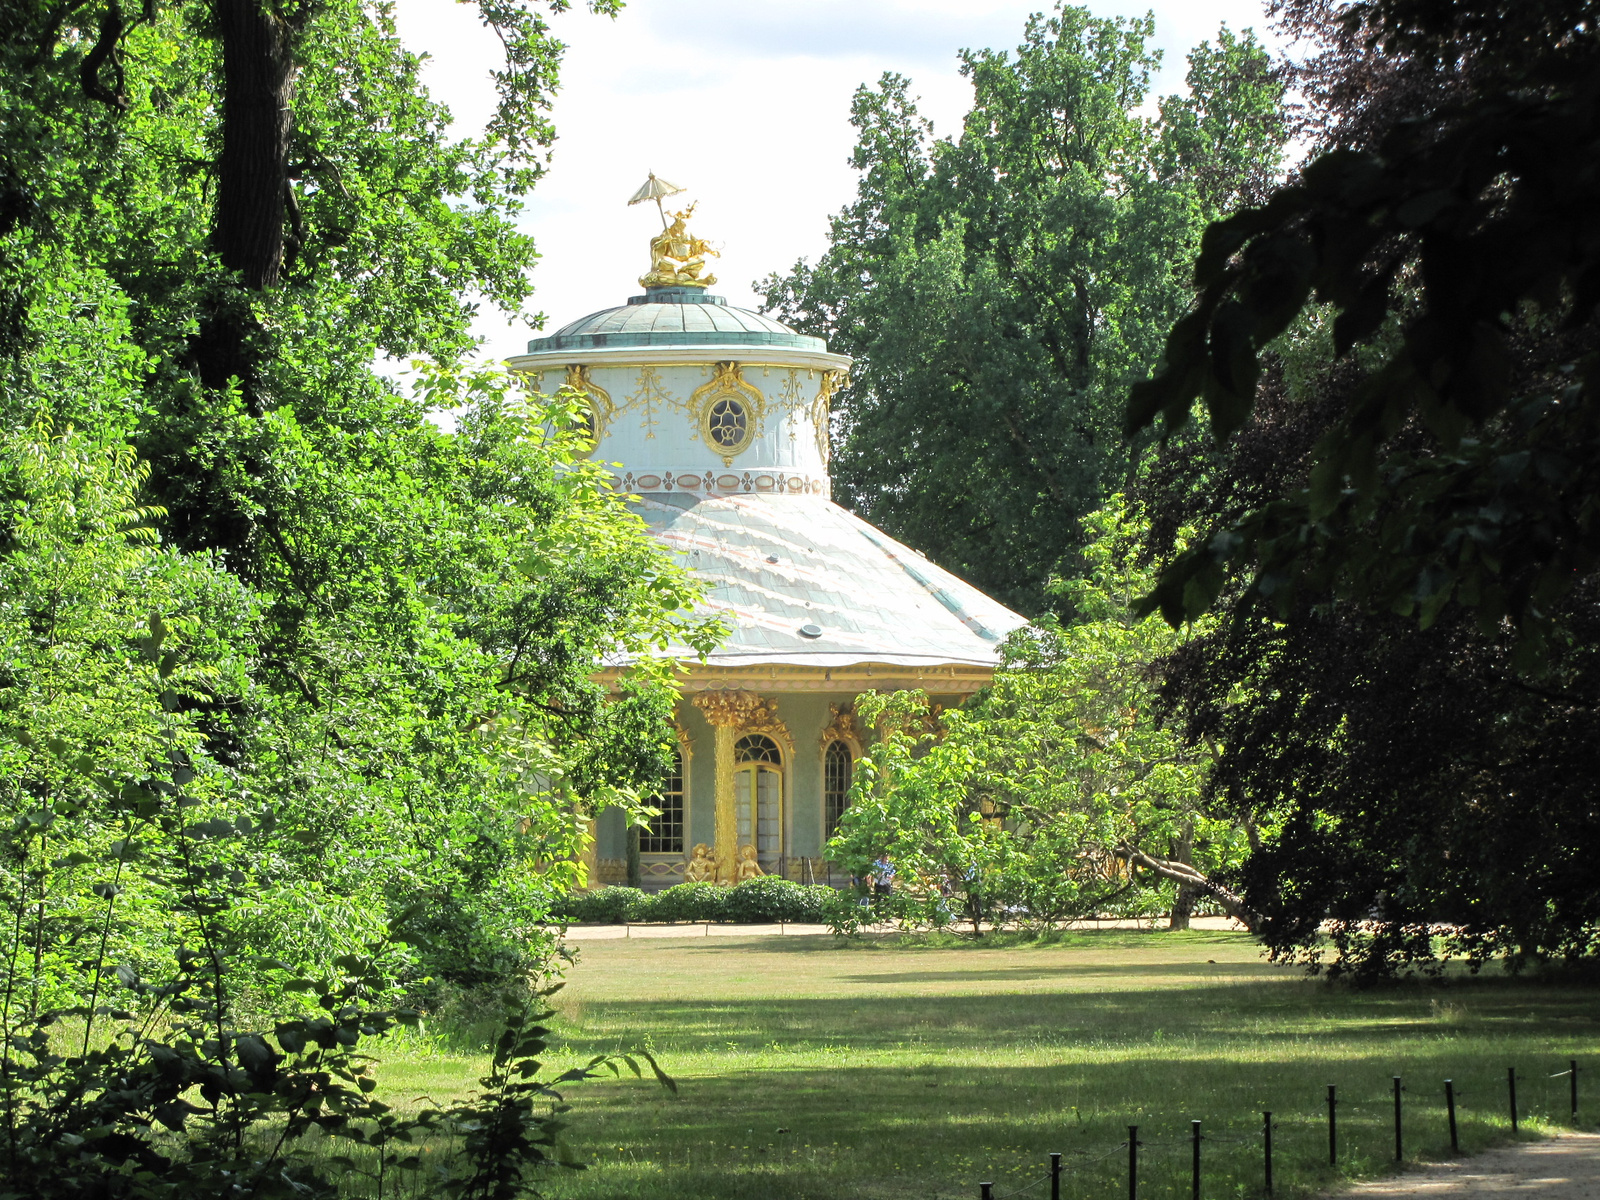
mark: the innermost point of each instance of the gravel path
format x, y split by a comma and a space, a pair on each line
1567, 1167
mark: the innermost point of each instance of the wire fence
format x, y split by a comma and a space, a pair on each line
1439, 1098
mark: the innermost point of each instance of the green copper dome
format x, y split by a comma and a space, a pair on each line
674, 316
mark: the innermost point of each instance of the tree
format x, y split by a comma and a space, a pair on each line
216, 215
1461, 252
1001, 290
1400, 683
1055, 793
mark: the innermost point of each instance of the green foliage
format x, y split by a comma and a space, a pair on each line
376, 631
1399, 351
755, 901
1000, 291
1455, 472
296, 702
1055, 793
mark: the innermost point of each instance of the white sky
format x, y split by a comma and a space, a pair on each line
745, 103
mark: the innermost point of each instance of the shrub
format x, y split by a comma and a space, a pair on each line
773, 899
691, 902
755, 901
607, 905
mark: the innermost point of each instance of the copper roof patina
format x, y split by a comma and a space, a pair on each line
673, 317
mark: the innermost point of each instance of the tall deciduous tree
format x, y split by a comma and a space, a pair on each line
214, 215
1398, 515
1000, 290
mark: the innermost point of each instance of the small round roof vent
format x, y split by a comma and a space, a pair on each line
810, 631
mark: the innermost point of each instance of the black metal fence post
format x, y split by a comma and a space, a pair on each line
986, 1191
1333, 1127
1266, 1138
1511, 1086
1194, 1127
1450, 1104
1399, 1154
1574, 1082
1055, 1177
1133, 1162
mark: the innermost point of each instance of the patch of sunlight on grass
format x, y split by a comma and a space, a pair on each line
915, 1067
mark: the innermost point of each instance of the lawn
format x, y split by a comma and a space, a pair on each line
812, 1069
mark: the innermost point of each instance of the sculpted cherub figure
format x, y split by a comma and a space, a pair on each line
749, 868
700, 868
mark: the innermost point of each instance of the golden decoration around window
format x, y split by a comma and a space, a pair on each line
601, 410
841, 727
730, 411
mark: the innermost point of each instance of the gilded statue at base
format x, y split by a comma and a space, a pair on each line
677, 257
700, 868
749, 868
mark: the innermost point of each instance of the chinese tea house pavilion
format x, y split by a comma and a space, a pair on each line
719, 417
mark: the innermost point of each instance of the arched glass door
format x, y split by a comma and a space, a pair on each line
758, 797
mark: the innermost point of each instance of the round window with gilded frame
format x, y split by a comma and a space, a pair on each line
727, 425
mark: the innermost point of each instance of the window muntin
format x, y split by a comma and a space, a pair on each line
838, 772
727, 425
665, 832
757, 748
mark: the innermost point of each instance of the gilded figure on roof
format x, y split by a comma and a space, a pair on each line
677, 257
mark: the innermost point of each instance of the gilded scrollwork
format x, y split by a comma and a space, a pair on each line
822, 407
762, 717
601, 410
744, 712
715, 407
842, 727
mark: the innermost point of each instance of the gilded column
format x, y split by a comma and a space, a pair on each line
591, 853
725, 711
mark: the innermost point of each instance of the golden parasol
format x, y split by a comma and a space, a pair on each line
657, 190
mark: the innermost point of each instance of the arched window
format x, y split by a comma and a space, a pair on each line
838, 771
758, 796
665, 834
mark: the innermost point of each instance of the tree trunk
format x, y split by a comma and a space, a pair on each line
634, 876
1183, 902
258, 85
252, 189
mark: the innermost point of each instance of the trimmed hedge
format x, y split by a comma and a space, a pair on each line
753, 902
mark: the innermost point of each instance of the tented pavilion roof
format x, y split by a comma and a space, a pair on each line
805, 583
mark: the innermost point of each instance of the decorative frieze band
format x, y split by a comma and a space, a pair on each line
725, 483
